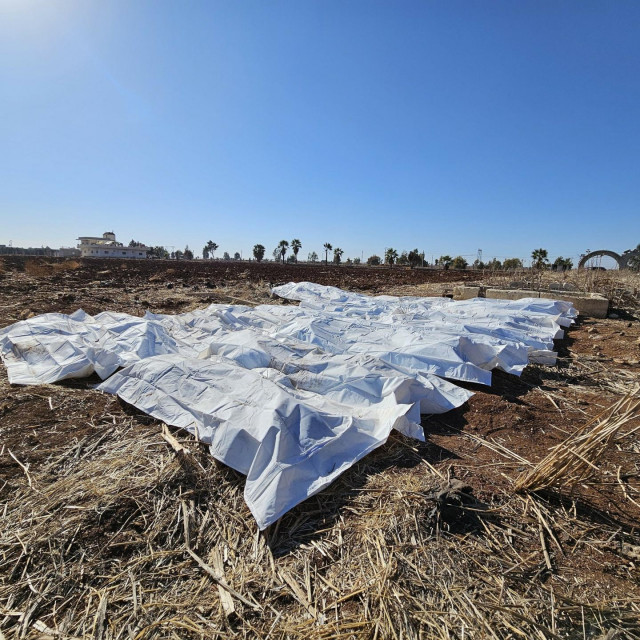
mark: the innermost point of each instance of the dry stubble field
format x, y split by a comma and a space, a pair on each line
112, 530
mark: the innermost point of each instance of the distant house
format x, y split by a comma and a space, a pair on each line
108, 247
67, 252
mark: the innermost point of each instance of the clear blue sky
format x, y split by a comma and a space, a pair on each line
447, 126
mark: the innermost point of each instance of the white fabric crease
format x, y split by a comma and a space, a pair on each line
292, 396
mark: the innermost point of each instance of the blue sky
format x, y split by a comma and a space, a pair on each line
444, 126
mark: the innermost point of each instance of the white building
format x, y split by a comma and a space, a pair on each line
107, 247
67, 252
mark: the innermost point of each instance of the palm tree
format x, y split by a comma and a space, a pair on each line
539, 257
327, 248
258, 252
283, 245
337, 255
390, 256
295, 247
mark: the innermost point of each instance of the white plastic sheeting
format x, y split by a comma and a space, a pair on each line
460, 340
291, 396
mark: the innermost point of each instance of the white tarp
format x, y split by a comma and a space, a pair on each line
291, 396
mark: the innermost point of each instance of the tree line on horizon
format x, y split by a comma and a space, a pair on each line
414, 258
391, 257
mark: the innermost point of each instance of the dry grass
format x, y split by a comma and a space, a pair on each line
576, 459
133, 533
42, 268
622, 288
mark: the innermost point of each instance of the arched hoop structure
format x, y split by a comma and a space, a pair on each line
621, 260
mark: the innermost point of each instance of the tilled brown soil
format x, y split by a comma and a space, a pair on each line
168, 286
485, 444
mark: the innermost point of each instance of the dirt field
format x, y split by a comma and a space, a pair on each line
108, 532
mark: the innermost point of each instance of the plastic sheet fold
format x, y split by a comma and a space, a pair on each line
292, 396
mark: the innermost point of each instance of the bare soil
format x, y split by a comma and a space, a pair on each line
582, 553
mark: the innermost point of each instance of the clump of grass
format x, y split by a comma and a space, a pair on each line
37, 268
622, 288
576, 459
42, 268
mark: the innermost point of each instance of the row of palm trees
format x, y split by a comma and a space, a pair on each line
209, 249
283, 246
279, 253
539, 256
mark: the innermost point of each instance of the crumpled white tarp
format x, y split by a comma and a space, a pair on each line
291, 396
